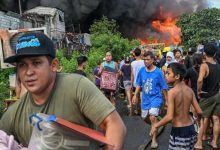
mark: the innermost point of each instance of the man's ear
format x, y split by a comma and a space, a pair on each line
177, 77
55, 64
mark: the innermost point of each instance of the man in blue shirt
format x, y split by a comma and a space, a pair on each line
151, 80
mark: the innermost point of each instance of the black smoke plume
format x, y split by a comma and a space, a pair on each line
134, 16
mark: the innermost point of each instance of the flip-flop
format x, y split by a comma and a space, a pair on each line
210, 145
154, 145
198, 148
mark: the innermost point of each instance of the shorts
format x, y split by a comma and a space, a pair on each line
152, 112
182, 138
127, 85
210, 106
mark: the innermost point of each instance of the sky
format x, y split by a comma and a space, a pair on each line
214, 3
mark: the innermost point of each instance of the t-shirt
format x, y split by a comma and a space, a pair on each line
80, 72
126, 70
152, 83
109, 66
74, 98
136, 66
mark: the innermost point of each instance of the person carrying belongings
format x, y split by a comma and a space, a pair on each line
69, 96
109, 77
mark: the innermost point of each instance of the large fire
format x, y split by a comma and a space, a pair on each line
168, 32
168, 27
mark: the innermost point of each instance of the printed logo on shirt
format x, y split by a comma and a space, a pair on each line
148, 86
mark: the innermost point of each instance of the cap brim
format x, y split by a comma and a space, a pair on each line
11, 59
14, 58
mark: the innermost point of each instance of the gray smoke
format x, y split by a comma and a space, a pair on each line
133, 16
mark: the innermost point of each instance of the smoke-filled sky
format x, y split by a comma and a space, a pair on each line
134, 16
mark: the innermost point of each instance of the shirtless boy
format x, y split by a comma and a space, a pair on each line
180, 98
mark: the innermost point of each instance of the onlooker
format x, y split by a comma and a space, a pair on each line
151, 80
82, 62
126, 74
109, 66
122, 62
178, 56
164, 54
169, 59
208, 91
180, 98
69, 96
188, 62
136, 65
193, 72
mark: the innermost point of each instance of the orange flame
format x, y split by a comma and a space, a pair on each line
168, 27
169, 32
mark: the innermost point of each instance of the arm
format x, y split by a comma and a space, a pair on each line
169, 115
5, 36
196, 106
202, 73
115, 130
165, 96
100, 70
134, 98
132, 76
117, 71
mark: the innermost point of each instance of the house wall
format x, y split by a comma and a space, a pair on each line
7, 22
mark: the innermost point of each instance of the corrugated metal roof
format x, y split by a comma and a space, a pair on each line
42, 11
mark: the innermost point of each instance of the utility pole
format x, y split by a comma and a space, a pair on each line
20, 10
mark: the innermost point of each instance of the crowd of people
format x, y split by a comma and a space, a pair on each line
187, 86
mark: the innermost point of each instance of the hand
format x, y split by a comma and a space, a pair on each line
4, 34
153, 130
134, 99
100, 71
131, 88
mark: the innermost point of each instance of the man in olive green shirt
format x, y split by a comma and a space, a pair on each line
71, 97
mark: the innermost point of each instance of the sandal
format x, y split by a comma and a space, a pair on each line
154, 146
210, 145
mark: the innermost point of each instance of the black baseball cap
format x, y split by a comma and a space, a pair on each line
32, 44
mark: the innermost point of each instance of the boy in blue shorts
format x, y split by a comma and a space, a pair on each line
151, 80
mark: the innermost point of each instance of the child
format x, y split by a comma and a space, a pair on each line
180, 98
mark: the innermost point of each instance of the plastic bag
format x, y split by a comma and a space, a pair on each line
49, 135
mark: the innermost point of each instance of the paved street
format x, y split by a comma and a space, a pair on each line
138, 131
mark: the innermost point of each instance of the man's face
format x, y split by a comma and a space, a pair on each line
148, 61
84, 65
177, 54
108, 57
169, 76
36, 73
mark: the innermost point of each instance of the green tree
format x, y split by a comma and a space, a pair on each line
200, 26
106, 37
104, 26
